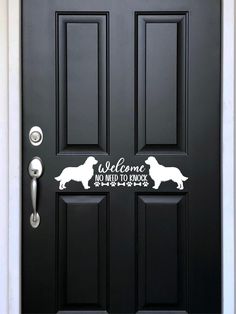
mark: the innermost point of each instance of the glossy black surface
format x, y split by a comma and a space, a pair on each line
112, 79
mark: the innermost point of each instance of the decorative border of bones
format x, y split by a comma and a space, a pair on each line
128, 184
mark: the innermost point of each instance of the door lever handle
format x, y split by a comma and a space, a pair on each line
35, 171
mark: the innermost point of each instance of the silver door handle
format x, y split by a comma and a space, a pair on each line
35, 171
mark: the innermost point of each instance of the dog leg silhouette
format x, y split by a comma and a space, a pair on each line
85, 184
156, 185
180, 185
62, 184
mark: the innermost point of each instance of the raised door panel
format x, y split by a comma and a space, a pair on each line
82, 252
82, 85
161, 63
162, 252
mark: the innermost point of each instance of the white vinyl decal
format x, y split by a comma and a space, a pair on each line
160, 173
82, 173
120, 174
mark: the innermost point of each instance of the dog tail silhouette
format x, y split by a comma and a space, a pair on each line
184, 178
58, 178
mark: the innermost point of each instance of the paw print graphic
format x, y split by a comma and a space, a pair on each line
145, 183
129, 184
113, 184
96, 184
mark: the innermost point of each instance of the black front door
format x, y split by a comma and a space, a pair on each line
127, 95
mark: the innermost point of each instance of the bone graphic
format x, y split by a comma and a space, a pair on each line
139, 184
119, 184
105, 184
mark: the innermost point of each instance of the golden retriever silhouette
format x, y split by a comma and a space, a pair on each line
82, 173
160, 174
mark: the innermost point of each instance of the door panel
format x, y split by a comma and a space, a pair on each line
82, 268
161, 37
81, 48
162, 217
122, 79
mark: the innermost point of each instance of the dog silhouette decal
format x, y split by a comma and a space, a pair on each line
160, 174
82, 173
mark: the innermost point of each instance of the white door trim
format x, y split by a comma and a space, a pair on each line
14, 148
4, 157
10, 157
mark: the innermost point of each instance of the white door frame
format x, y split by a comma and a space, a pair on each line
10, 157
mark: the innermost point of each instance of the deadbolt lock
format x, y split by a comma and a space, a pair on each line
36, 135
